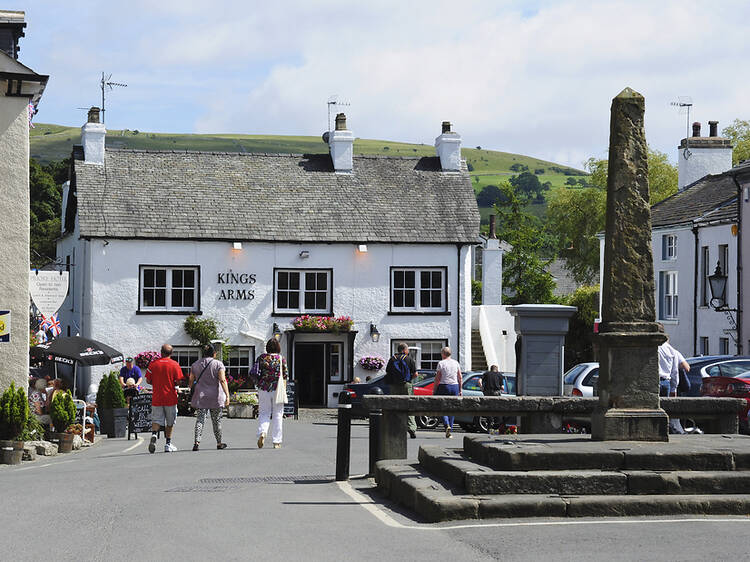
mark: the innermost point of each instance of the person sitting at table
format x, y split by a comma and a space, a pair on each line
38, 401
130, 389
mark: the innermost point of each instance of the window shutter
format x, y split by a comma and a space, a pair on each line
661, 295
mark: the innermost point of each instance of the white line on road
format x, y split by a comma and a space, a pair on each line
42, 465
373, 508
138, 441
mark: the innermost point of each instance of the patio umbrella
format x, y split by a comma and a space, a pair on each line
75, 350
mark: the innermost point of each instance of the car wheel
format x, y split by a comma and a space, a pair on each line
482, 424
427, 422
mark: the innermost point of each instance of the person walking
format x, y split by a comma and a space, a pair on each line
399, 372
163, 374
447, 383
670, 361
210, 394
271, 368
492, 385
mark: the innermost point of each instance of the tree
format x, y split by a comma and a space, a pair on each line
524, 275
489, 195
579, 345
570, 181
739, 133
528, 184
45, 195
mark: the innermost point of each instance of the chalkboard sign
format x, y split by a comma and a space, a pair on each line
290, 408
80, 410
139, 414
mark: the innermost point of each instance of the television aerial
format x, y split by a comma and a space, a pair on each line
106, 82
333, 104
683, 104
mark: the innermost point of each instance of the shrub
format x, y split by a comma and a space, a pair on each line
101, 393
202, 330
62, 411
34, 431
14, 412
476, 292
115, 395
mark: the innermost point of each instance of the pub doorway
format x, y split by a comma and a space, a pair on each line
309, 372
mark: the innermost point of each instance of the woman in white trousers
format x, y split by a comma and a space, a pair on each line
271, 366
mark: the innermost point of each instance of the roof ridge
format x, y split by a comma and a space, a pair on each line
266, 154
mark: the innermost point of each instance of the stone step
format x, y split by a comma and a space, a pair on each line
436, 500
683, 452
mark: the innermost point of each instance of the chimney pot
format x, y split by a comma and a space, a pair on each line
341, 122
446, 126
714, 128
94, 115
696, 129
493, 234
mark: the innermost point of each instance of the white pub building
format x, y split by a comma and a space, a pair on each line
255, 240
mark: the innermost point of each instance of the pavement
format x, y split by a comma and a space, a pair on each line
115, 501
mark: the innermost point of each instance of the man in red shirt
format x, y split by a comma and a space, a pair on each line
163, 374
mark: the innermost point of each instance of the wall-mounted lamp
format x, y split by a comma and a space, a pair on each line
718, 285
276, 332
362, 248
374, 334
304, 254
236, 245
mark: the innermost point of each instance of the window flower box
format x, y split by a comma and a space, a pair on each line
307, 323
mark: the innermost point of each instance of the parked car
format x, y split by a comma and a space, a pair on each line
358, 390
470, 387
706, 366
580, 379
730, 386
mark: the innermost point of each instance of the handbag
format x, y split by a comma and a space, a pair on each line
195, 382
281, 397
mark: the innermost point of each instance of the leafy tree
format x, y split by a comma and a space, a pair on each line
524, 275
476, 292
579, 345
489, 195
518, 167
570, 181
528, 184
739, 133
539, 171
45, 194
574, 216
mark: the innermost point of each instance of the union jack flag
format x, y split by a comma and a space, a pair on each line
55, 325
45, 325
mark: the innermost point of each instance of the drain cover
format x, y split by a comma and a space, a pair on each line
269, 479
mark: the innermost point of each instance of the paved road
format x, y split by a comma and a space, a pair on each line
115, 501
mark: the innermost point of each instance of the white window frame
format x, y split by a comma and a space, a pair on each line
723, 346
191, 352
168, 269
703, 345
669, 305
669, 247
418, 289
417, 349
246, 356
301, 309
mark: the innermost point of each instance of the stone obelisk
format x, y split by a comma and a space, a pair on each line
629, 336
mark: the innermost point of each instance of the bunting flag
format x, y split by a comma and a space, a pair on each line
46, 324
32, 112
55, 326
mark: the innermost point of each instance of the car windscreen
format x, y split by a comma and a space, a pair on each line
733, 369
591, 378
572, 374
510, 384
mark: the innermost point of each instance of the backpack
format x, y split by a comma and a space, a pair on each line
401, 368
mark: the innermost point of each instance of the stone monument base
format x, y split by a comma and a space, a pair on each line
629, 425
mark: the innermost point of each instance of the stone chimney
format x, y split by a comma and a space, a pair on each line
92, 138
448, 148
700, 156
11, 30
341, 144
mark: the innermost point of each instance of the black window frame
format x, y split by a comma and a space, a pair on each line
196, 309
403, 311
302, 310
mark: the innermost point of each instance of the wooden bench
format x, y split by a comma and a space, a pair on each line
539, 414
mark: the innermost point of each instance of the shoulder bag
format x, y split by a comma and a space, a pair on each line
280, 397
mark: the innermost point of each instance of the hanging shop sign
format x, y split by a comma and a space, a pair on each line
48, 290
4, 326
241, 283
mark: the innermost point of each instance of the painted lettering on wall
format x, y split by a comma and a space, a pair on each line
235, 278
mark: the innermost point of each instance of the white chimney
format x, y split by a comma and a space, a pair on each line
448, 147
92, 138
699, 156
341, 143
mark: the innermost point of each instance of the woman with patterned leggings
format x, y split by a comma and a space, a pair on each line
210, 394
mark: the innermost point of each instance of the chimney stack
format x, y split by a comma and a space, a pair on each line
493, 234
11, 30
700, 156
448, 148
92, 138
341, 144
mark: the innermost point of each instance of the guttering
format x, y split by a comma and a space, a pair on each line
695, 293
739, 264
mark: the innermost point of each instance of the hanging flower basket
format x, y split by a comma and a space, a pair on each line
144, 358
371, 362
307, 323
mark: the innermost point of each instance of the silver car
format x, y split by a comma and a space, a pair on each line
580, 379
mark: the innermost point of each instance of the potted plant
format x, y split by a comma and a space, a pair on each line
116, 401
372, 362
243, 405
14, 415
63, 414
103, 407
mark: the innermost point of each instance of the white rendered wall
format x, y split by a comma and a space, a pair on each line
492, 273
496, 326
702, 162
14, 237
107, 309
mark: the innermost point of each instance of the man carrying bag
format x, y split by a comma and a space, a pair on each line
399, 373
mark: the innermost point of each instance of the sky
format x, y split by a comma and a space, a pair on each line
529, 77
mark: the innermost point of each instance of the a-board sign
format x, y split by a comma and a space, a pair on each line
80, 410
290, 408
139, 414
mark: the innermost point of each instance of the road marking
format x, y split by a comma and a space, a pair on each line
42, 465
138, 442
373, 508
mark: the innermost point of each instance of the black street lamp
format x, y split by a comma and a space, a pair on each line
374, 333
718, 285
276, 332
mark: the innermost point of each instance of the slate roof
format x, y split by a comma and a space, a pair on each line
706, 200
273, 197
565, 284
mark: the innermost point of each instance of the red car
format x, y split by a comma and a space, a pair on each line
737, 386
